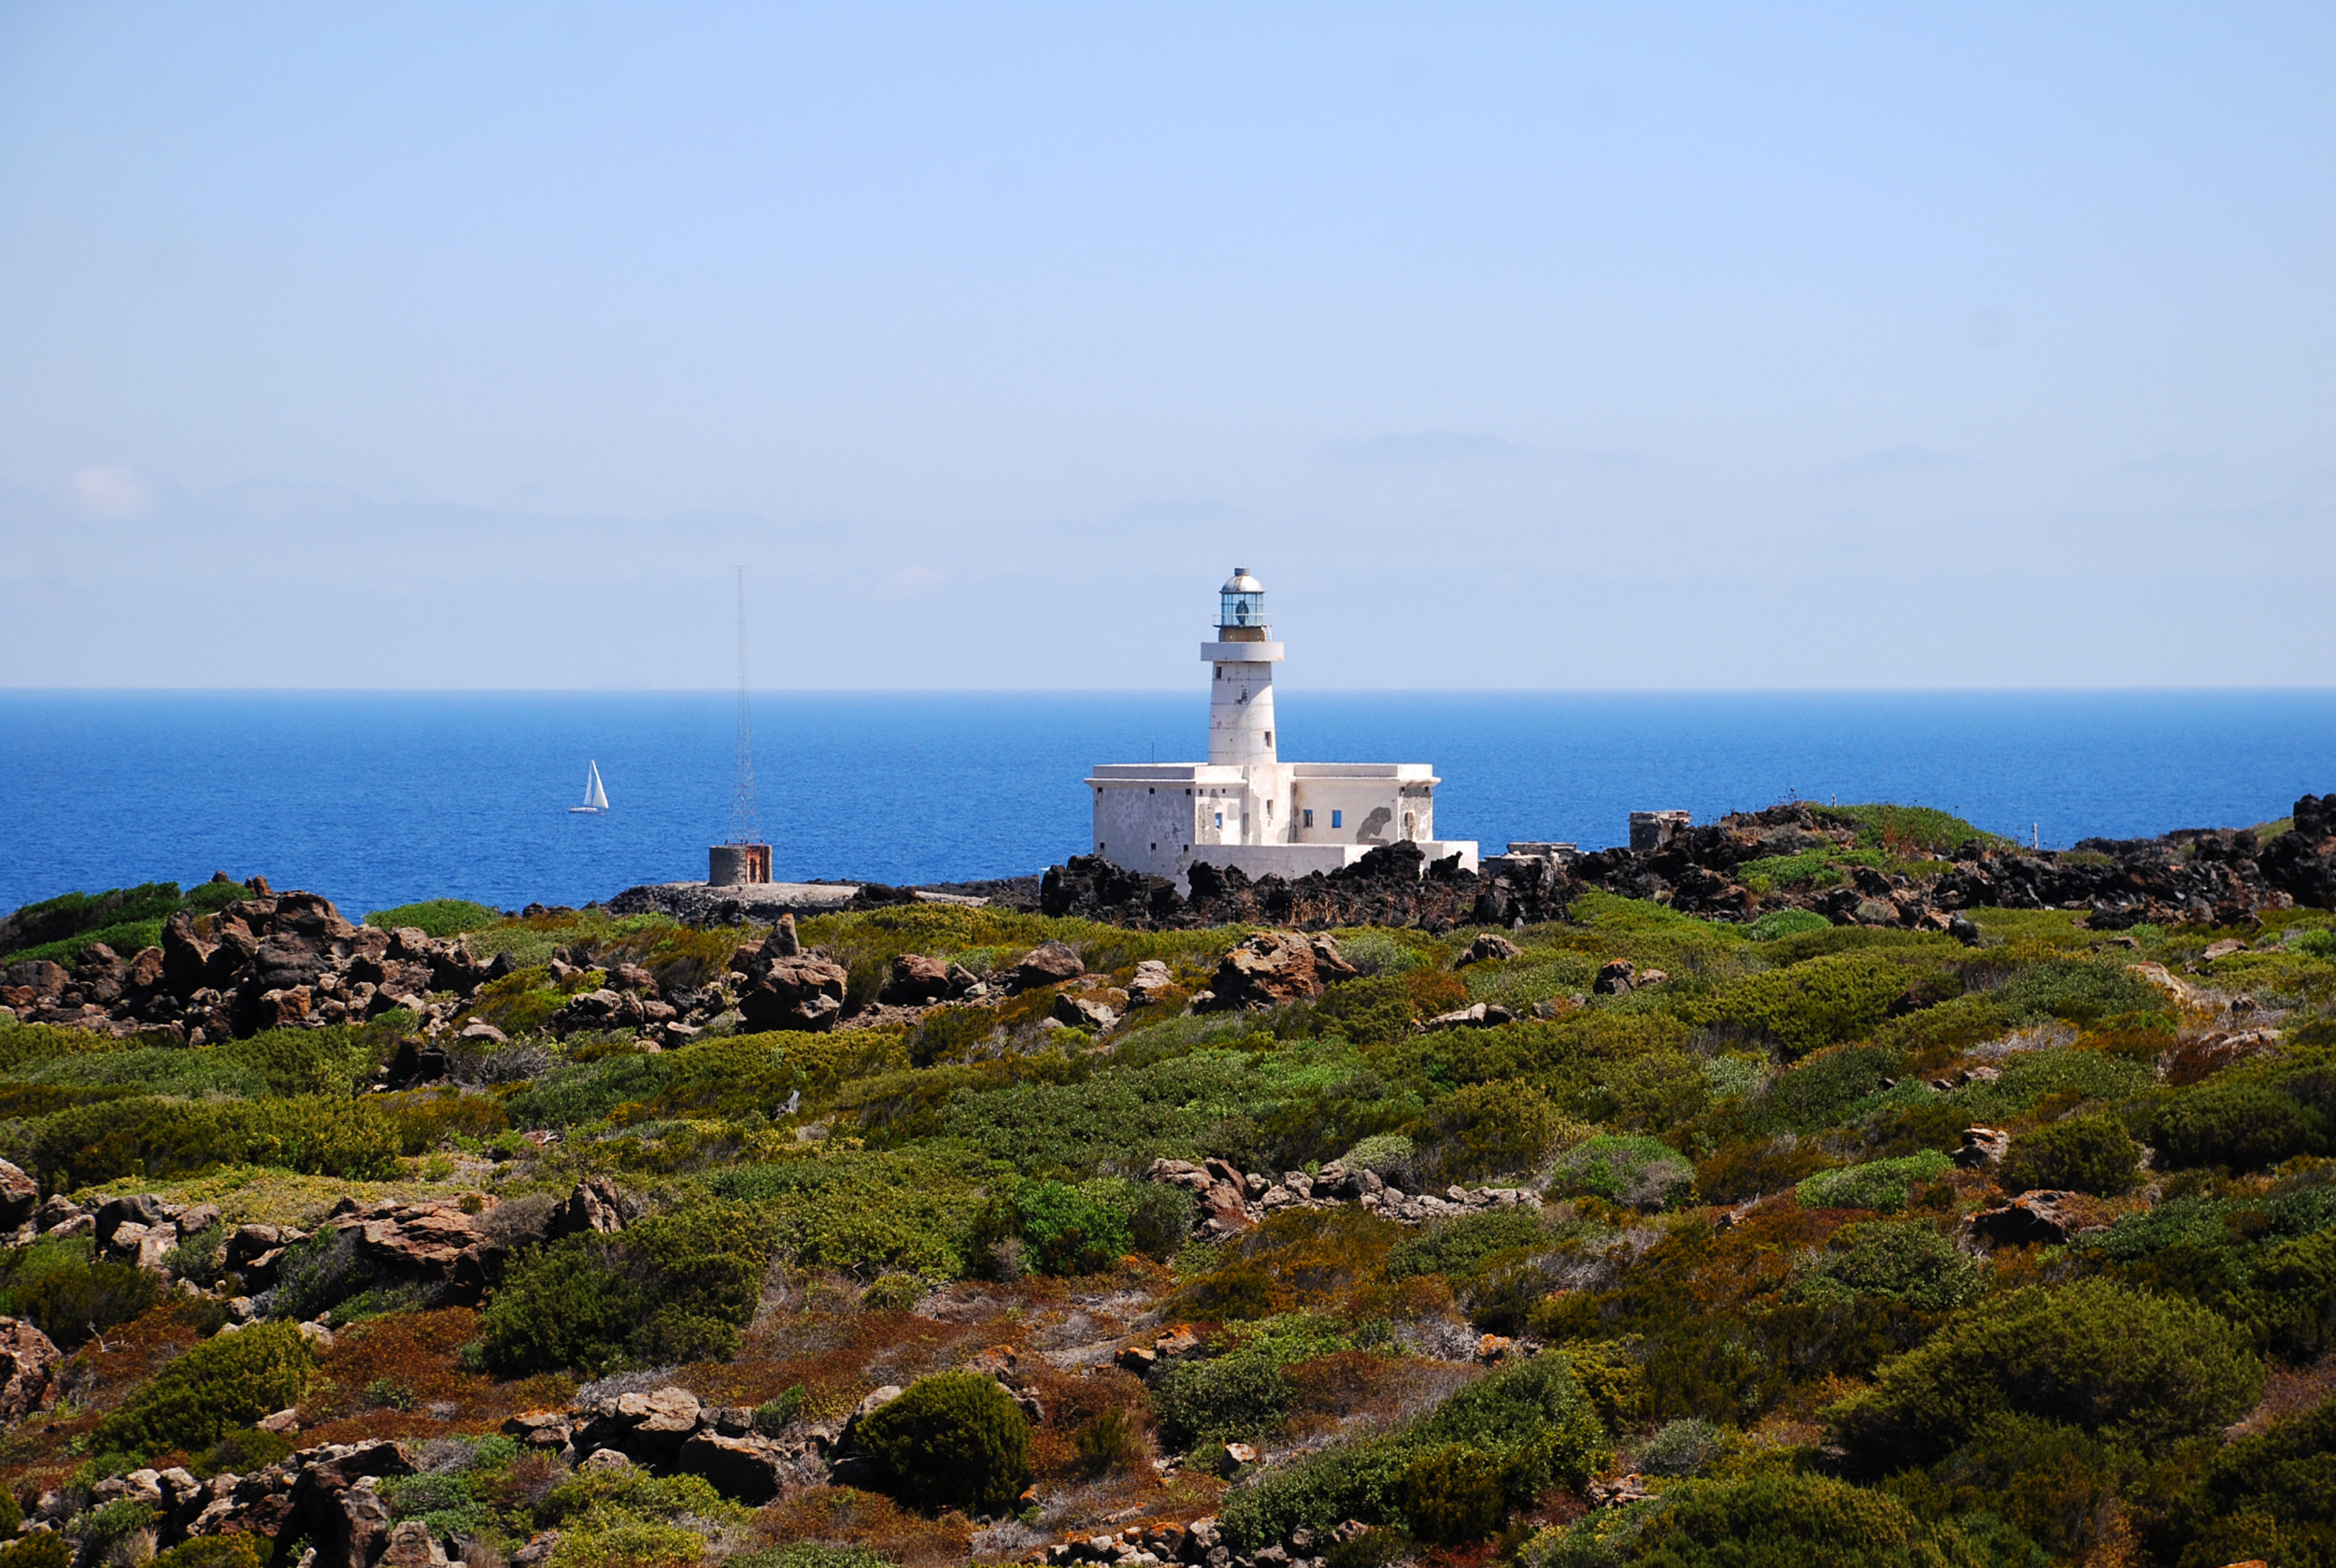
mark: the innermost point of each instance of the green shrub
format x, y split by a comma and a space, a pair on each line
2139, 1370
50, 1550
52, 1285
1488, 1130
1369, 1012
1075, 1230
1638, 1172
675, 1287
908, 1211
1820, 1002
2080, 991
1375, 951
1453, 1494
235, 1551
1159, 1222
1683, 1447
1785, 922
1113, 1440
241, 1453
1881, 1185
2083, 1154
2268, 1496
1530, 1421
1457, 1246
1766, 1522
893, 1292
953, 1439
2243, 1122
221, 1384
809, 1554
1219, 1399
1388, 1156
436, 916
1912, 1262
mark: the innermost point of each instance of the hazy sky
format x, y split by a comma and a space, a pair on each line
1548, 346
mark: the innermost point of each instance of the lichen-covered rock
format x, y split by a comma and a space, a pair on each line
27, 1364
1271, 968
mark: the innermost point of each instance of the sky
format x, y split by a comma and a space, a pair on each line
1548, 346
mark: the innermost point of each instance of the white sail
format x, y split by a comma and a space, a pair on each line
594, 796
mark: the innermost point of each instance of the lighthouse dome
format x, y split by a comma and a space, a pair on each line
1240, 603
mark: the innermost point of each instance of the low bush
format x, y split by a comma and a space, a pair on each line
1686, 1446
1075, 1230
1820, 1002
1638, 1172
1111, 1440
1488, 1130
2083, 1154
221, 1384
956, 1439
52, 1285
1527, 1423
235, 1551
2264, 1497
1881, 1185
1457, 1246
435, 917
1452, 1495
2139, 1370
1219, 1399
1766, 1522
2244, 1120
676, 1286
1912, 1262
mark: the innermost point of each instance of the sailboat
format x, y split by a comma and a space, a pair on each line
595, 798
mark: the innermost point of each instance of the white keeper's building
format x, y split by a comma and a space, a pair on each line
1245, 807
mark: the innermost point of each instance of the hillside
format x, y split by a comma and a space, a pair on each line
1877, 1211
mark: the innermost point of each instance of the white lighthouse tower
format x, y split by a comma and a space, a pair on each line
1241, 699
1245, 807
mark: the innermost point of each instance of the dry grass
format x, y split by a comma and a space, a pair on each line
843, 1515
401, 1377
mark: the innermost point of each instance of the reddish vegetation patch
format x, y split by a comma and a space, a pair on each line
402, 1377
843, 1515
2289, 1393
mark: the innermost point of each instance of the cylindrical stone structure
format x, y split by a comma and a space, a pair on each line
732, 865
1241, 698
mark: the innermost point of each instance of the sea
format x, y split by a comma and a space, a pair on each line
377, 799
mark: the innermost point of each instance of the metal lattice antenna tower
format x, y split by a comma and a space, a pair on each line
742, 817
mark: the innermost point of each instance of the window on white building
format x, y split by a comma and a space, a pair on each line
1309, 819
1220, 819
1338, 819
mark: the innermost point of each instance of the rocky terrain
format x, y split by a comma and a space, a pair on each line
1836, 1183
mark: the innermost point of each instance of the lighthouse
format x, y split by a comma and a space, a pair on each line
1243, 654
1245, 807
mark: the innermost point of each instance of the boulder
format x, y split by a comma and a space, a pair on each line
595, 1205
431, 1242
644, 1425
917, 980
805, 992
144, 1208
1152, 977
1615, 978
19, 1197
1271, 968
27, 1362
1049, 964
411, 1546
1079, 1012
1489, 947
1983, 1147
753, 1470
2031, 1219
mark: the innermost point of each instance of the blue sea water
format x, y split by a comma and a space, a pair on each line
377, 799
